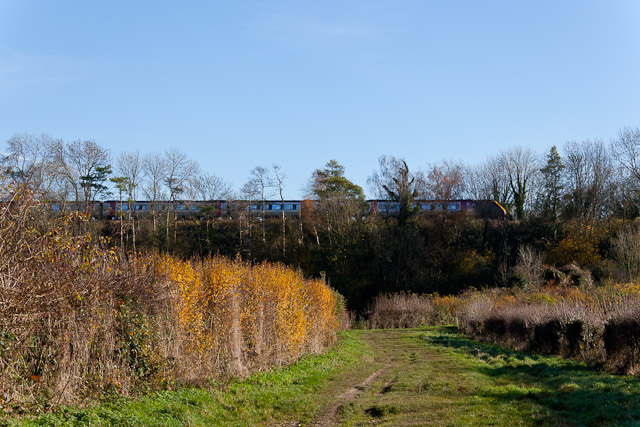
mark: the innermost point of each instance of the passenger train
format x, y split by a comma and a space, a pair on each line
109, 209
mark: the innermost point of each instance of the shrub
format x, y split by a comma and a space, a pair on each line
78, 319
401, 310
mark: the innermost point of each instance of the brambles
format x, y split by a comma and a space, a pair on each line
79, 320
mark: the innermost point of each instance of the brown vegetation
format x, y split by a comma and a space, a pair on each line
597, 325
78, 319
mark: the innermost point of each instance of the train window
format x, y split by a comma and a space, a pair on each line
276, 207
180, 207
425, 206
438, 206
453, 206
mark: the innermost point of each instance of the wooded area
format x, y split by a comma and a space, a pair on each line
569, 208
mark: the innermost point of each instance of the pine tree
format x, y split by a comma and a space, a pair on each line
552, 186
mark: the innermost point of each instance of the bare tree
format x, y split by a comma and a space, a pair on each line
84, 166
489, 181
445, 181
262, 182
178, 170
249, 194
28, 161
626, 253
521, 166
280, 177
589, 170
153, 168
129, 166
63, 181
209, 187
626, 150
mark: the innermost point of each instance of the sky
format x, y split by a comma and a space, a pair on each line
239, 84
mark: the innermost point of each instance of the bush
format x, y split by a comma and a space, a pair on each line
401, 311
596, 325
79, 320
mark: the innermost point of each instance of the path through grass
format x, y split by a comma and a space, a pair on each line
432, 376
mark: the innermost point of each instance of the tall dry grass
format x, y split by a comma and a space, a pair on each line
401, 310
78, 320
599, 325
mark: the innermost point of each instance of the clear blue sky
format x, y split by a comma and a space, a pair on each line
237, 84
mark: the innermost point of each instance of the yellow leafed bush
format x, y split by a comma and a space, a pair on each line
78, 319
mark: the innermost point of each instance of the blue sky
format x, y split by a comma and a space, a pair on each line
237, 84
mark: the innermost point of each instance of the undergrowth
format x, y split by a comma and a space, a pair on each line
283, 394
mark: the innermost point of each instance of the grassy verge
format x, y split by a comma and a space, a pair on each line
292, 393
433, 376
439, 377
558, 391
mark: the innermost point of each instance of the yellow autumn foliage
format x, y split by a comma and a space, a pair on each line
239, 317
80, 319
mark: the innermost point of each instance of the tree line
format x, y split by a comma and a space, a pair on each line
569, 205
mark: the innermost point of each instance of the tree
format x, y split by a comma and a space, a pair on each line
130, 167
249, 193
179, 168
280, 177
521, 167
28, 161
445, 181
589, 171
490, 181
262, 183
209, 188
123, 184
626, 150
398, 183
339, 201
154, 167
331, 180
83, 166
550, 196
94, 185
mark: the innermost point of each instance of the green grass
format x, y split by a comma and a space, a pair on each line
559, 391
285, 394
435, 376
438, 377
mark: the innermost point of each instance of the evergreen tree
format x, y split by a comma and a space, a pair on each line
331, 181
552, 186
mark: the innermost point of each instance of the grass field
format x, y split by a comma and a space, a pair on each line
432, 376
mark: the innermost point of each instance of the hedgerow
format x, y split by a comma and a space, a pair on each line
80, 320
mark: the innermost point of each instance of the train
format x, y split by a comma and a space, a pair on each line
110, 209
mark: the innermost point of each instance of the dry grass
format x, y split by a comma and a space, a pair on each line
401, 311
599, 325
